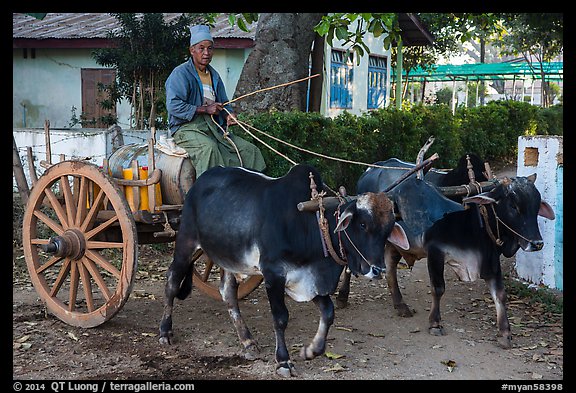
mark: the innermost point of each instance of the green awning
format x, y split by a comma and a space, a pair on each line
482, 71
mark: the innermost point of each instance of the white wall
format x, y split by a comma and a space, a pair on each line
91, 143
229, 64
543, 267
48, 86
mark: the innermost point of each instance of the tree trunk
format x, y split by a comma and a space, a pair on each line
317, 67
281, 55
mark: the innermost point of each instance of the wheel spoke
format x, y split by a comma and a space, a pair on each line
68, 199
57, 208
97, 278
73, 286
101, 227
86, 285
93, 245
82, 201
51, 262
91, 216
48, 221
39, 242
100, 260
208, 269
61, 277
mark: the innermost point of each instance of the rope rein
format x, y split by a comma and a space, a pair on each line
245, 127
496, 239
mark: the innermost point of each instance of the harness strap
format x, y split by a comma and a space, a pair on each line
323, 224
484, 214
497, 240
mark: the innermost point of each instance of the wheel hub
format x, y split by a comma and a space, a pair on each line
71, 244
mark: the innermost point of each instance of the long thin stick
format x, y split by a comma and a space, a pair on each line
270, 88
423, 164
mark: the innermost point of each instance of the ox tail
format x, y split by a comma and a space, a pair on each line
186, 285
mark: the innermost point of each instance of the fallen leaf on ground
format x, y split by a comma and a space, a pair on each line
332, 355
23, 338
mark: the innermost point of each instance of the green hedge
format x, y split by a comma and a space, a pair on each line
490, 131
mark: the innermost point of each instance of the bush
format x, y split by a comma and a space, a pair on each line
490, 131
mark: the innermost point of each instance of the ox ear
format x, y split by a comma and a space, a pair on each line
343, 220
531, 178
546, 211
398, 237
480, 199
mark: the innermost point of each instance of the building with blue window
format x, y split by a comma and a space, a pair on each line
55, 76
358, 85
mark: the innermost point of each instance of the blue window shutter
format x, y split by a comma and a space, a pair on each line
341, 79
376, 82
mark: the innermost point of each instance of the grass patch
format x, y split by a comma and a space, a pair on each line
548, 298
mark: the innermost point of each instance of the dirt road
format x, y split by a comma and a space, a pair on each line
368, 341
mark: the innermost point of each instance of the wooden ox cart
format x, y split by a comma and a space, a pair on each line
83, 223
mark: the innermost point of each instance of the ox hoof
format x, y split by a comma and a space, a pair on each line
308, 353
403, 310
251, 352
505, 342
341, 303
436, 331
164, 340
286, 370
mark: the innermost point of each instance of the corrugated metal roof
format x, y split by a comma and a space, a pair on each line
97, 25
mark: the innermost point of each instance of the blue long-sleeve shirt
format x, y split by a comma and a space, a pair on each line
184, 94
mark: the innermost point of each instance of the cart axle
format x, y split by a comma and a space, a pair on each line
71, 244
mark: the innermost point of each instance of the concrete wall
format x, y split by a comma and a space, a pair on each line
93, 143
543, 155
48, 86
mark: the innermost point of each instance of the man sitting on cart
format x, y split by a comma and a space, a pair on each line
197, 121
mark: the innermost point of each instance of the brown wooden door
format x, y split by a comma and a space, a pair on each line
92, 111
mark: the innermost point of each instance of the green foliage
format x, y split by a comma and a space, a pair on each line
444, 96
490, 131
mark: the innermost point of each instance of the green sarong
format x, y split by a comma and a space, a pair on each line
205, 143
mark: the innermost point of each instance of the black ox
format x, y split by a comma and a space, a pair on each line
469, 239
249, 224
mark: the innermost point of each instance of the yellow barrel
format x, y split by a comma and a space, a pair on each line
178, 173
143, 171
129, 190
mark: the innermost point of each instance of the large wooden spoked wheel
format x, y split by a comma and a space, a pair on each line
82, 279
206, 277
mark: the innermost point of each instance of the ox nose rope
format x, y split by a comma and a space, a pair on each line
497, 239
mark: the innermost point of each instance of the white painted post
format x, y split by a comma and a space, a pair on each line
543, 155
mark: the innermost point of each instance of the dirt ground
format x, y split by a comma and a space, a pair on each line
368, 341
